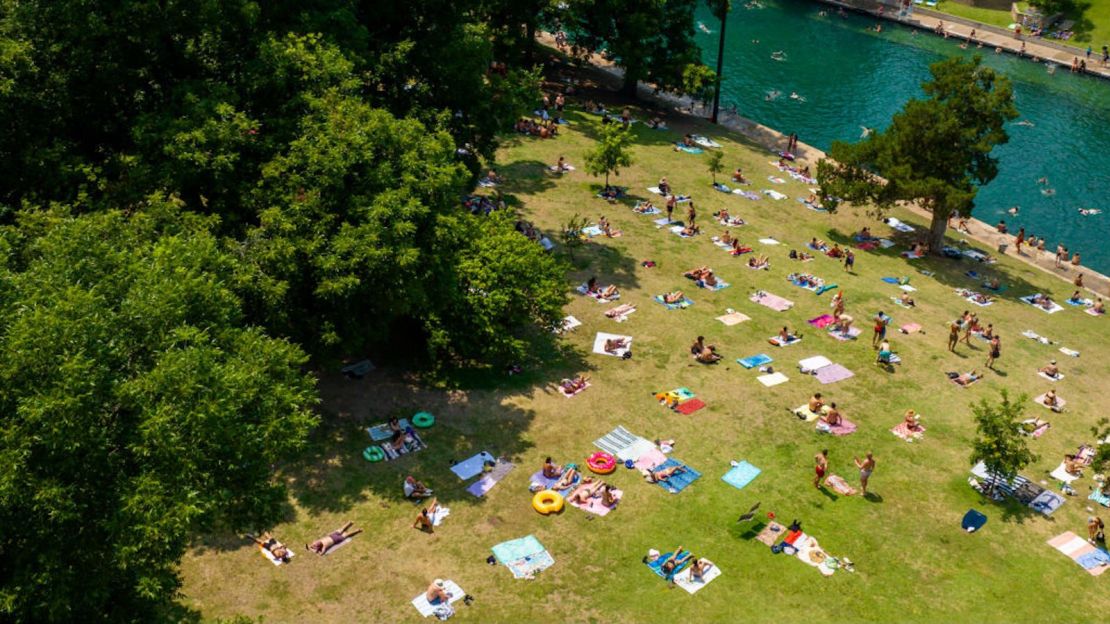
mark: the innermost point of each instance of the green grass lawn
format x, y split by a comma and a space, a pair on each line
1091, 17
913, 561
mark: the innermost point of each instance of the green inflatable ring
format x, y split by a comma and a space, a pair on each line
423, 420
373, 454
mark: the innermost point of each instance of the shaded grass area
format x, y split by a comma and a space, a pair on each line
913, 561
1091, 21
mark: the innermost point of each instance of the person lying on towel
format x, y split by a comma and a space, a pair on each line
570, 473
570, 386
699, 273
706, 354
1043, 301
906, 300
276, 549
965, 379
656, 476
759, 262
674, 297
698, 569
738, 249
324, 544
612, 345
691, 230
585, 490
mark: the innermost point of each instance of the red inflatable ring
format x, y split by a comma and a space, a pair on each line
601, 463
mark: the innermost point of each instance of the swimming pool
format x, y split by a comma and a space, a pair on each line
849, 77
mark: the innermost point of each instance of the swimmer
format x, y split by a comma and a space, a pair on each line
1026, 123
1013, 211
865, 132
778, 55
772, 95
1047, 192
1087, 212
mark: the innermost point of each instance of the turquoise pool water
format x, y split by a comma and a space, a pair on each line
852, 77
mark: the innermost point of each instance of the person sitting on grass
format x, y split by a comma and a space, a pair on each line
607, 497
739, 249
276, 549
706, 354
698, 569
675, 296
785, 336
906, 300
437, 593
400, 440
1098, 308
738, 176
835, 252
560, 166
1072, 465
612, 345
759, 262
425, 519
570, 474
551, 470
1051, 369
657, 476
324, 544
570, 386
818, 245
816, 403
415, 489
911, 420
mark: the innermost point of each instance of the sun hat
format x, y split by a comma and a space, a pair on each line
652, 552
439, 583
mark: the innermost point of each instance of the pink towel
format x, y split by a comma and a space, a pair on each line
595, 506
774, 302
821, 322
910, 328
846, 427
903, 431
839, 485
650, 459
833, 373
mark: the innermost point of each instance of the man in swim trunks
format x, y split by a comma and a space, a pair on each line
324, 544
995, 352
821, 465
815, 403
880, 329
866, 467
1051, 369
953, 335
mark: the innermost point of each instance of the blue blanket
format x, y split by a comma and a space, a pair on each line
890, 280
657, 566
1093, 559
513, 550
685, 303
678, 481
754, 360
973, 520
741, 475
688, 149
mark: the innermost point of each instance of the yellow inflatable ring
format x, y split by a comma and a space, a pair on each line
547, 502
601, 463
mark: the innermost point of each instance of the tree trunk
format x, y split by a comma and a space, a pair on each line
936, 230
530, 43
629, 88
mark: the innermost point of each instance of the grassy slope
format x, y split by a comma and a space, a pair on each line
914, 562
1092, 21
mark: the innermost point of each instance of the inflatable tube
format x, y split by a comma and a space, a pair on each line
601, 463
423, 420
373, 454
547, 502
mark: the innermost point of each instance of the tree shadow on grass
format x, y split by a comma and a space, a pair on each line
526, 177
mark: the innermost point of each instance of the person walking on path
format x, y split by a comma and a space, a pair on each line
953, 335
821, 465
1019, 240
866, 467
880, 329
995, 352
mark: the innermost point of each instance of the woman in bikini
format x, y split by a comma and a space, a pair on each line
656, 476
551, 470
276, 549
570, 473
673, 297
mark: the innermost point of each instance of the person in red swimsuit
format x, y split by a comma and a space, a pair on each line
822, 464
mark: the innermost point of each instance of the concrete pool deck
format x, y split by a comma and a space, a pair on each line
980, 231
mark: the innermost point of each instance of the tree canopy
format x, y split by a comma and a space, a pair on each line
611, 153
936, 152
999, 441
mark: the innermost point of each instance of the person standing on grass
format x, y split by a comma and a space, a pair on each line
672, 201
691, 213
953, 335
866, 467
821, 465
995, 352
880, 329
849, 260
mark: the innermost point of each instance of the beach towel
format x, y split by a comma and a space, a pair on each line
417, 444
1100, 498
1093, 312
595, 506
843, 428
591, 231
1052, 310
1093, 560
336, 546
733, 318
1058, 376
650, 459
907, 288
839, 485
620, 313
747, 194
813, 364
704, 141
569, 324
688, 149
599, 344
909, 255
1040, 427
812, 205
270, 556
657, 566
583, 289
382, 432
774, 302
679, 481
853, 333
771, 533
902, 430
805, 414
1079, 302
898, 225
774, 194
563, 391
678, 305
833, 373
664, 221
1047, 502
1060, 403
1061, 474
721, 285
772, 379
472, 466
776, 179
722, 188
741, 475
524, 556
623, 444
768, 241
454, 593
910, 328
647, 211
677, 230
779, 342
689, 407
482, 486
973, 521
1071, 352
754, 360
1032, 335
685, 579
821, 322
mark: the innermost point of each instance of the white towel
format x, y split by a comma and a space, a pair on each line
773, 379
599, 344
422, 605
683, 580
812, 364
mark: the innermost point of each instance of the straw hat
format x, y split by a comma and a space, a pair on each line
439, 583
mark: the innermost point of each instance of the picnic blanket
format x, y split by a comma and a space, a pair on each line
1093, 312
677, 305
770, 533
772, 379
599, 344
1094, 560
680, 480
753, 361
774, 302
823, 321
839, 485
813, 364
733, 318
595, 506
902, 430
472, 466
805, 413
624, 445
689, 407
972, 521
1021, 489
382, 432
741, 475
833, 373
417, 444
482, 486
684, 579
454, 593
843, 428
852, 334
1052, 310
524, 556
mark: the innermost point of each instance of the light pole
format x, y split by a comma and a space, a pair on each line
720, 8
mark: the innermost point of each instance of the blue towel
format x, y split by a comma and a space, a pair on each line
1100, 498
890, 280
973, 520
513, 550
689, 150
679, 481
1093, 559
826, 287
657, 565
754, 360
741, 475
592, 231
685, 303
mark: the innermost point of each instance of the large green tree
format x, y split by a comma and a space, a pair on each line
651, 40
999, 441
611, 153
937, 150
136, 409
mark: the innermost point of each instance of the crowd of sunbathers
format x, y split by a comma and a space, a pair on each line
544, 129
482, 204
585, 487
805, 280
676, 561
